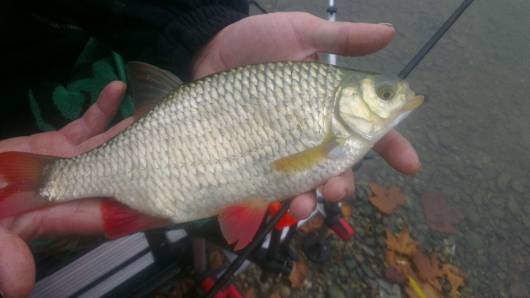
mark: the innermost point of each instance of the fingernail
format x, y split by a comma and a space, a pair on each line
387, 24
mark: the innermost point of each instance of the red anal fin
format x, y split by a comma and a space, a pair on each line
286, 220
120, 220
240, 223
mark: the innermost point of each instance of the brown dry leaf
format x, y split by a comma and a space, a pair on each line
313, 224
390, 258
275, 294
250, 293
298, 274
438, 215
393, 275
401, 243
346, 210
216, 259
428, 268
401, 264
386, 200
455, 277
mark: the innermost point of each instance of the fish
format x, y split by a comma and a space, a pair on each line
225, 145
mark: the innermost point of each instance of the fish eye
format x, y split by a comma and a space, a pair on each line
385, 92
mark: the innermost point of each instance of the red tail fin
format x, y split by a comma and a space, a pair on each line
20, 175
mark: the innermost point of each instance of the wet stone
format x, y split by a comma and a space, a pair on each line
433, 138
359, 257
502, 181
518, 185
369, 241
335, 291
513, 206
473, 216
350, 264
488, 173
343, 273
518, 289
526, 239
367, 270
474, 241
387, 290
526, 221
285, 291
497, 212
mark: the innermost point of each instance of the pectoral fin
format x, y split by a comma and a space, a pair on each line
240, 223
309, 158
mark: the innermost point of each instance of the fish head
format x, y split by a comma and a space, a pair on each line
371, 105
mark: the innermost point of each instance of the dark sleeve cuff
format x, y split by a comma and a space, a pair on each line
178, 43
166, 33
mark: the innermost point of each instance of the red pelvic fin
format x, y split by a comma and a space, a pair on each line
239, 223
120, 220
20, 176
286, 221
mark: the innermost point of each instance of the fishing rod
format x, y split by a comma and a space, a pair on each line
403, 74
227, 275
332, 14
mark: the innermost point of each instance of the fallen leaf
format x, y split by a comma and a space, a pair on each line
313, 224
386, 200
401, 243
428, 269
399, 263
345, 210
275, 294
393, 275
430, 291
298, 274
216, 260
439, 216
455, 277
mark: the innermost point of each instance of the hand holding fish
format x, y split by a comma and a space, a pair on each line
272, 37
302, 36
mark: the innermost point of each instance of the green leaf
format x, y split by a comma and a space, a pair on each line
69, 103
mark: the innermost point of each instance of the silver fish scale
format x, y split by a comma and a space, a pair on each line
211, 143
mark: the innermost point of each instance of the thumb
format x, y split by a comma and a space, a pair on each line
17, 272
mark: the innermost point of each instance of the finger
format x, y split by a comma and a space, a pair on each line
342, 38
302, 205
103, 137
82, 217
15, 144
399, 153
17, 272
339, 187
97, 117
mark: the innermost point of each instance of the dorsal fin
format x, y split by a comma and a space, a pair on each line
149, 84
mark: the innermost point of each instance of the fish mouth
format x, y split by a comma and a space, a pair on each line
414, 103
